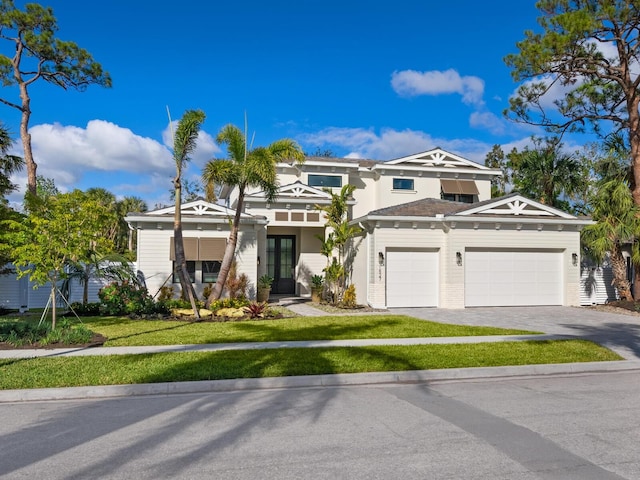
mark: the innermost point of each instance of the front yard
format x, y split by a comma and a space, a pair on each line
173, 367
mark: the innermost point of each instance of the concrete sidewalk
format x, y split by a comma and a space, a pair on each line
216, 347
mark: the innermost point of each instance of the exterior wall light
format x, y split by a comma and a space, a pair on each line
459, 259
381, 259
574, 259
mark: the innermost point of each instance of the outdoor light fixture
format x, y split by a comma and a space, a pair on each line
258, 259
459, 259
380, 259
574, 259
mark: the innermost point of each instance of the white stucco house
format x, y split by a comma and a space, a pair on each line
432, 236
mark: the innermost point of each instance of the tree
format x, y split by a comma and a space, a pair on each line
246, 167
618, 223
590, 49
125, 243
184, 143
9, 164
111, 266
497, 159
38, 55
337, 214
64, 228
547, 174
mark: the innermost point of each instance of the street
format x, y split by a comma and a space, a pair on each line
564, 427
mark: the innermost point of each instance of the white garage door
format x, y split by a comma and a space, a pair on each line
511, 278
412, 279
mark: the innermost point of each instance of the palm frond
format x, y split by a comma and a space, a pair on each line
235, 141
184, 142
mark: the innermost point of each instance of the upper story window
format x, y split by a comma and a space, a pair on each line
457, 197
403, 184
325, 181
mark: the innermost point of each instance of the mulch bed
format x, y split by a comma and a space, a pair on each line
96, 341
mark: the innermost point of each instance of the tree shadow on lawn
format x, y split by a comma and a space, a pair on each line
271, 331
611, 335
167, 422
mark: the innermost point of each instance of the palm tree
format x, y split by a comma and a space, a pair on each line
245, 168
9, 164
125, 240
109, 267
547, 174
184, 143
617, 224
337, 213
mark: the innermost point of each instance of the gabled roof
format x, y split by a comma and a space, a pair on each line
513, 207
436, 157
199, 210
296, 190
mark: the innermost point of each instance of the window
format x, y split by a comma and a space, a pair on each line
457, 197
403, 183
210, 271
191, 269
325, 181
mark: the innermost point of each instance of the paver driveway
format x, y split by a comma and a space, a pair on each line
618, 332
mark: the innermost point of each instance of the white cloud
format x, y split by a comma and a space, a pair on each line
487, 121
101, 146
411, 83
390, 143
117, 158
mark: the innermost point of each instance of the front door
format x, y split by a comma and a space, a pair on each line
281, 261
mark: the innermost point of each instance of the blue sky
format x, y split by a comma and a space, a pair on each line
363, 79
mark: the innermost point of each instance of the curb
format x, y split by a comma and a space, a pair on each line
329, 380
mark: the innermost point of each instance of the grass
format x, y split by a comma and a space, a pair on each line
127, 332
175, 367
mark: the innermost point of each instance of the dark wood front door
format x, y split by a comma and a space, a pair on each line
281, 262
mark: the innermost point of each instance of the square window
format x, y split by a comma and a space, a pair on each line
210, 271
403, 183
191, 270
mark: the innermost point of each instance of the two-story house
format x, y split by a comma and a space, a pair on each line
431, 235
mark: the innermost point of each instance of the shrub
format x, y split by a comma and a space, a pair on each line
349, 297
256, 309
29, 333
125, 298
86, 309
236, 285
206, 291
166, 293
228, 303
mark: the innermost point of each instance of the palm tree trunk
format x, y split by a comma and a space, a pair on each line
619, 270
178, 243
229, 253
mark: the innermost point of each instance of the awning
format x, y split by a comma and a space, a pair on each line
200, 248
190, 248
465, 187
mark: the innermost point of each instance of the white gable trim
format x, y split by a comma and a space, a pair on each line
198, 208
294, 190
435, 158
516, 205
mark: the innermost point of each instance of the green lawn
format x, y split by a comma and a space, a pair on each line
174, 367
125, 332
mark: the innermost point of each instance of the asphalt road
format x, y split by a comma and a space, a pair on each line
572, 427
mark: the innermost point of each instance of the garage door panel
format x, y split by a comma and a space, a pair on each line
412, 279
513, 278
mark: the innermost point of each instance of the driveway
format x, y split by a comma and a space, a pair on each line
618, 332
